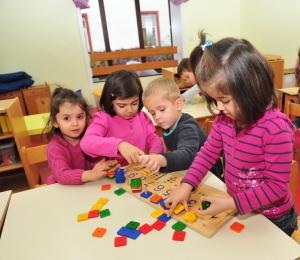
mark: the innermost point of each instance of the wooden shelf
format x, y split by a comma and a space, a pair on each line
7, 135
6, 168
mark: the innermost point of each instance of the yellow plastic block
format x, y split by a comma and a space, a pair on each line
178, 208
102, 201
190, 217
157, 213
97, 206
82, 217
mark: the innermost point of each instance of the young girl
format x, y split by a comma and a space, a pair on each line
256, 138
121, 131
69, 117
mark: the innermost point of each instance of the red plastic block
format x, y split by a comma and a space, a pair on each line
99, 232
145, 229
237, 227
158, 225
105, 187
179, 235
120, 241
93, 213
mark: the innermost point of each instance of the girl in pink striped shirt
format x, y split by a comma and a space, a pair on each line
256, 138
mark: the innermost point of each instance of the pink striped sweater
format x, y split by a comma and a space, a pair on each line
258, 162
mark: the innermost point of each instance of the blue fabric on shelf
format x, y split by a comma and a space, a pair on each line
14, 81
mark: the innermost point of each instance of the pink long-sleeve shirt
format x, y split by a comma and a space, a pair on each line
105, 133
67, 162
258, 162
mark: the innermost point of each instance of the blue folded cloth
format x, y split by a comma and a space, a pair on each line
13, 81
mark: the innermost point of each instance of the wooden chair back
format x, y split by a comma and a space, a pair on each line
294, 179
31, 157
292, 110
208, 125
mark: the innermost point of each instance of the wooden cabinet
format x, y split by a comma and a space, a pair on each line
277, 64
171, 73
13, 94
37, 99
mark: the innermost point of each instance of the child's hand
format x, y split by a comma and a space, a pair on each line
217, 205
129, 152
178, 195
97, 173
112, 163
153, 161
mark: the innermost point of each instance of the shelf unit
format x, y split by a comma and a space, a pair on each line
12, 108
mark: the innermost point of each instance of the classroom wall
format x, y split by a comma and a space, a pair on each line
219, 18
273, 27
43, 38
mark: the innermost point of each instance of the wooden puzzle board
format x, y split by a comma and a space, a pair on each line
162, 184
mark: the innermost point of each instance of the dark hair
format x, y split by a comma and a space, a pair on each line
121, 84
184, 65
235, 67
59, 97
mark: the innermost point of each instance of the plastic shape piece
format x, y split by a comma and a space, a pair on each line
205, 204
162, 204
164, 217
119, 192
158, 225
104, 213
97, 206
93, 213
179, 235
102, 201
179, 226
146, 194
237, 227
179, 208
145, 229
190, 217
120, 241
133, 234
155, 198
105, 187
99, 232
123, 231
157, 213
82, 217
133, 225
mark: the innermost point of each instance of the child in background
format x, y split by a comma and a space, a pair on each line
256, 137
121, 131
69, 117
297, 76
181, 132
184, 71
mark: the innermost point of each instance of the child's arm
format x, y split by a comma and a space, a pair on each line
129, 152
153, 161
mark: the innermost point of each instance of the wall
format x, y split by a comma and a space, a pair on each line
273, 27
43, 38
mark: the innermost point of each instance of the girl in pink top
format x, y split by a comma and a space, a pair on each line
69, 118
121, 131
256, 138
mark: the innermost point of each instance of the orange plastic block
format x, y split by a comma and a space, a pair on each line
237, 227
102, 201
156, 198
99, 232
82, 217
157, 213
97, 206
178, 208
105, 187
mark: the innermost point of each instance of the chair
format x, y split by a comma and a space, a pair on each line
293, 110
208, 124
31, 157
294, 179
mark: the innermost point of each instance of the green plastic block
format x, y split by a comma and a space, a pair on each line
179, 226
104, 213
119, 192
205, 204
133, 225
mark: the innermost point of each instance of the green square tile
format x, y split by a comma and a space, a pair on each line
119, 192
133, 225
205, 204
104, 213
179, 226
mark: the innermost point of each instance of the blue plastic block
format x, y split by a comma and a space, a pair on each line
146, 195
162, 204
164, 218
133, 234
123, 231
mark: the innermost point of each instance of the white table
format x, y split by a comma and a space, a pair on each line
4, 201
42, 224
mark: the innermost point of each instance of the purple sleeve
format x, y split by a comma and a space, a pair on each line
60, 168
95, 143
